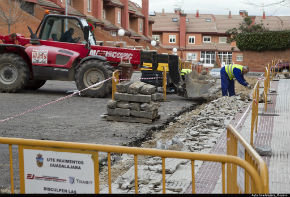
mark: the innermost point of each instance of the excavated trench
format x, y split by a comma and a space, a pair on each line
171, 119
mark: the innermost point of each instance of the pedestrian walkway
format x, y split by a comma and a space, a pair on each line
273, 132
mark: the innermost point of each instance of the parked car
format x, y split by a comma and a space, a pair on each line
281, 67
215, 72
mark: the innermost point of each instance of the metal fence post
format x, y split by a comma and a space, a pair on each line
164, 82
115, 81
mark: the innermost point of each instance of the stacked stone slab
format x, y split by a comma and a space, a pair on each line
134, 102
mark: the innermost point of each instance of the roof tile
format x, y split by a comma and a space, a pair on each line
215, 23
48, 4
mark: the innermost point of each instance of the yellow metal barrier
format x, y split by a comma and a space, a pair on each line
252, 164
255, 109
273, 71
269, 75
185, 65
266, 87
115, 82
237, 146
164, 82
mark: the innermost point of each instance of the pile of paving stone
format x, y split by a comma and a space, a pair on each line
204, 129
135, 102
200, 135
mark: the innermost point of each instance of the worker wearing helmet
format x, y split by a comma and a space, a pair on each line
228, 73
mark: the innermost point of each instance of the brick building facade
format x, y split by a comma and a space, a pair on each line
107, 16
202, 37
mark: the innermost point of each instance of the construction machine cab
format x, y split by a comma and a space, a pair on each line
61, 28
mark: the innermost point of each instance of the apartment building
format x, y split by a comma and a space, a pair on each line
202, 37
113, 15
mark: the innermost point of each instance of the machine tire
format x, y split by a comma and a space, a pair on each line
34, 84
111, 70
14, 73
90, 73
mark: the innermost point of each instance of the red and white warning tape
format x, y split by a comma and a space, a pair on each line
52, 102
142, 78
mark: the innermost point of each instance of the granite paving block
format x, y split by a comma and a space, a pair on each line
133, 98
112, 104
143, 114
148, 89
157, 97
123, 87
135, 88
118, 112
123, 105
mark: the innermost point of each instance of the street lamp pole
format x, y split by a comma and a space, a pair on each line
66, 12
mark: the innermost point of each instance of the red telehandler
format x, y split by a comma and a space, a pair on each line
63, 48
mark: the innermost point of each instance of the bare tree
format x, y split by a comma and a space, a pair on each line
282, 3
12, 13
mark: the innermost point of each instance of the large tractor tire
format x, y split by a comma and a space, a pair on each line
90, 73
14, 73
34, 84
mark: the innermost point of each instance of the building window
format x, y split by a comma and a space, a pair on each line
222, 39
174, 19
208, 58
207, 39
89, 5
69, 2
240, 58
104, 14
225, 57
28, 7
156, 38
191, 39
113, 33
172, 38
191, 56
207, 20
119, 17
141, 27
187, 20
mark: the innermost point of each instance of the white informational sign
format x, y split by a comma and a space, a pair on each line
241, 171
51, 172
39, 56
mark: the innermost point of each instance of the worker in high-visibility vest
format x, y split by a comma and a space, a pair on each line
185, 72
228, 73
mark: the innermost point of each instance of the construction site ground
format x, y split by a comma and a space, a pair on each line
79, 119
272, 137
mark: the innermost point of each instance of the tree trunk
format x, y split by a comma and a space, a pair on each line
9, 28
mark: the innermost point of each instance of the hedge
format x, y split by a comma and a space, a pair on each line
263, 41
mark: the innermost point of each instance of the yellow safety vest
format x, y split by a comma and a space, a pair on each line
185, 71
230, 70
